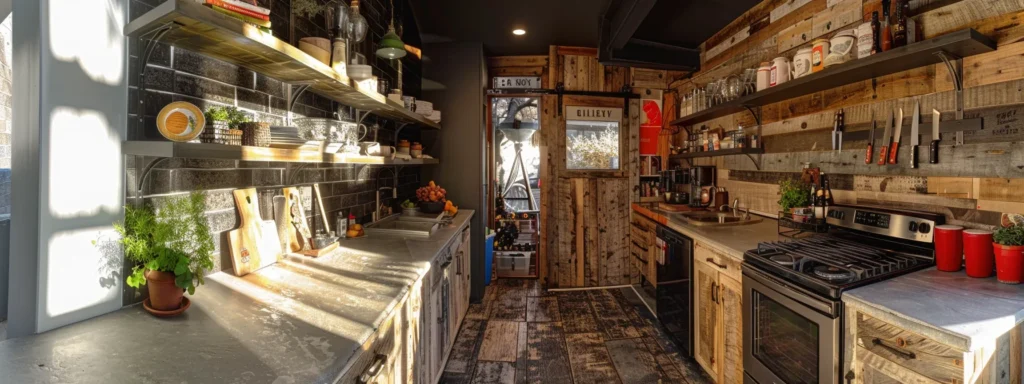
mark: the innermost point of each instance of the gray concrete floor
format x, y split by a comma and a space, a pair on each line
3, 329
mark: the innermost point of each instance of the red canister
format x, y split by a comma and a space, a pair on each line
949, 247
978, 257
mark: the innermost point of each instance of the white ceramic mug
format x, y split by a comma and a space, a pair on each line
384, 150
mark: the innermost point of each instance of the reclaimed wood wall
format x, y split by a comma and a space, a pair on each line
972, 185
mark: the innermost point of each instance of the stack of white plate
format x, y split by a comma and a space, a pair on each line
424, 108
434, 116
288, 138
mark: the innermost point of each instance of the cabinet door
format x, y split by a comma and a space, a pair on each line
435, 351
730, 294
706, 313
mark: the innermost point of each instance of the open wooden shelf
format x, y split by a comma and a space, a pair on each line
721, 152
963, 43
235, 152
197, 28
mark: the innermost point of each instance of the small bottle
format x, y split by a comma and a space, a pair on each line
741, 138
885, 29
342, 226
899, 28
351, 220
876, 37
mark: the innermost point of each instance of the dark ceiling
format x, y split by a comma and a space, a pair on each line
681, 23
547, 22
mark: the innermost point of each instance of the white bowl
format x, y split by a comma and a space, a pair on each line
360, 72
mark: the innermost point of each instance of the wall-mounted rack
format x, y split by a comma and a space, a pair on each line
190, 25
942, 49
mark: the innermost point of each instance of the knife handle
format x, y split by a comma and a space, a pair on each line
933, 152
869, 153
883, 154
913, 156
893, 150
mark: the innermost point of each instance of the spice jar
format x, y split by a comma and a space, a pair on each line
802, 63
780, 71
818, 52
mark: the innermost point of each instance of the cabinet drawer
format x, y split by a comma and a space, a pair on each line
644, 239
642, 223
724, 263
904, 355
377, 354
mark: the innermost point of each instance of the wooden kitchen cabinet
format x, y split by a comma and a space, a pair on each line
881, 352
643, 247
718, 314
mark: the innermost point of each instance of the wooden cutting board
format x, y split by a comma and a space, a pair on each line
297, 234
677, 207
247, 241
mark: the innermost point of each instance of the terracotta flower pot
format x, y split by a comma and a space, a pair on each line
1008, 263
163, 294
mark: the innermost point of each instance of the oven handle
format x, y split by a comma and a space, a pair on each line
906, 354
792, 292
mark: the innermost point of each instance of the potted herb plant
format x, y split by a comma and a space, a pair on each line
1008, 244
171, 246
792, 195
225, 117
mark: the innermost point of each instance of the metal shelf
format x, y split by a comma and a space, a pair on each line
959, 44
721, 152
169, 149
190, 25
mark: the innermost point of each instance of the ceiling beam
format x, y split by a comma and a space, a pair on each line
649, 54
628, 16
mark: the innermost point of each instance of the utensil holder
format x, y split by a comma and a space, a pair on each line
255, 134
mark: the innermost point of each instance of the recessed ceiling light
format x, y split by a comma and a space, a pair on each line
518, 31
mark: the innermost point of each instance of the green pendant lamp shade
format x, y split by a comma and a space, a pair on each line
391, 46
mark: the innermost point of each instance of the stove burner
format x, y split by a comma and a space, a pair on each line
783, 259
832, 273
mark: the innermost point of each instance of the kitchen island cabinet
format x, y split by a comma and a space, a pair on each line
359, 310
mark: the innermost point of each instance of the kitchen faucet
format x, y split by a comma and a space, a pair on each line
394, 193
736, 208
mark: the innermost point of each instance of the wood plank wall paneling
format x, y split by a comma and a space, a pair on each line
971, 185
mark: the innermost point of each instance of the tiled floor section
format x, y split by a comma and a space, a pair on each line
522, 334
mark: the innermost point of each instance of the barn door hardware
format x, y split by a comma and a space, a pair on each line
626, 93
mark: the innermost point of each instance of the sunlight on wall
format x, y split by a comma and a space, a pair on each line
77, 36
80, 275
85, 164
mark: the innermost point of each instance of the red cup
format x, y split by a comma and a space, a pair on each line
1009, 268
949, 247
978, 257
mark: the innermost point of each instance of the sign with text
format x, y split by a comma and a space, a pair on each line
517, 82
593, 114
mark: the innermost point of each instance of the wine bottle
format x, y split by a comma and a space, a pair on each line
899, 29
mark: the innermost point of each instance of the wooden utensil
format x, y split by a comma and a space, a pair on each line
247, 240
298, 235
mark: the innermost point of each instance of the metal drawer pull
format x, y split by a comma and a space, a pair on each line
712, 261
714, 292
373, 370
906, 354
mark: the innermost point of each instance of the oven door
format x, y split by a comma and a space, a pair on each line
789, 336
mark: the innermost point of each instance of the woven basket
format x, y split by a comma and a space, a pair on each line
255, 134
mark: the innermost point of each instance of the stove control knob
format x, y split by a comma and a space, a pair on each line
924, 228
913, 226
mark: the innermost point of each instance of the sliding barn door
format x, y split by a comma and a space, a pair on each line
588, 158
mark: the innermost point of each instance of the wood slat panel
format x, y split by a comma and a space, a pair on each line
500, 342
542, 309
548, 360
577, 316
633, 361
589, 359
613, 320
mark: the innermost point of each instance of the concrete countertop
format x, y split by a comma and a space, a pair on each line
733, 240
301, 320
948, 307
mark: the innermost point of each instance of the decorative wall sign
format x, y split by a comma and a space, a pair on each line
650, 123
593, 114
517, 82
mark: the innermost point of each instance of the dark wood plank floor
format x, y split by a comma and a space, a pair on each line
523, 334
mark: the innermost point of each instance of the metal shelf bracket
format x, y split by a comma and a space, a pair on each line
142, 173
147, 45
955, 65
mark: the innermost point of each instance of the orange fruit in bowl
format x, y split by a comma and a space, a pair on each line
352, 233
357, 227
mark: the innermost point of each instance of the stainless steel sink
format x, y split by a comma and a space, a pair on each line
717, 218
397, 225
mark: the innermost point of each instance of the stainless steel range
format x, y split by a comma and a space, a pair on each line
792, 312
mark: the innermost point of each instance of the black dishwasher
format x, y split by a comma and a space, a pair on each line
674, 296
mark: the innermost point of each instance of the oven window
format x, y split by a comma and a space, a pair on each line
785, 342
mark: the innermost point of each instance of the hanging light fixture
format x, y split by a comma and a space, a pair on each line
357, 23
391, 45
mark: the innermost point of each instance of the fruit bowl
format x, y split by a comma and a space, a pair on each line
431, 206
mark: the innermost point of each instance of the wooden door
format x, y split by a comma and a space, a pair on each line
706, 314
586, 212
730, 298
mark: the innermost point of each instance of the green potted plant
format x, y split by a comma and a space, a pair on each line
225, 117
793, 194
171, 246
1008, 244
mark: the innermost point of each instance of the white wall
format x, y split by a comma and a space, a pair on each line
70, 116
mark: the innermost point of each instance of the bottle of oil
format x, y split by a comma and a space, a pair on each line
899, 29
886, 27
